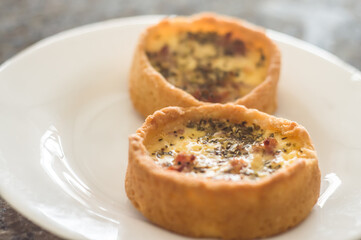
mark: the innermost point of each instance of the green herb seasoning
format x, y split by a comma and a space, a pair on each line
221, 149
209, 66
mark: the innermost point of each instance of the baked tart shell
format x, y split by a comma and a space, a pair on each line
150, 91
202, 207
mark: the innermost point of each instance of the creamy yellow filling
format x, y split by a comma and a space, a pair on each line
211, 67
229, 152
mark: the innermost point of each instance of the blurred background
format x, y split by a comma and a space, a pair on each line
334, 25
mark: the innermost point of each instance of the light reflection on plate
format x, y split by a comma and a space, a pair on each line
333, 183
65, 116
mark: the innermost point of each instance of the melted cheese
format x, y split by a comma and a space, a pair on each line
224, 154
211, 67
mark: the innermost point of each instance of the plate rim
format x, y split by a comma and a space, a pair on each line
12, 196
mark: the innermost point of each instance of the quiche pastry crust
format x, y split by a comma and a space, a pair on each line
150, 90
204, 207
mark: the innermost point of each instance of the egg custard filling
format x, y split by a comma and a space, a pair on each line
209, 66
219, 149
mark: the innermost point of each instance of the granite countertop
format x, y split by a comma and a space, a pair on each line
332, 25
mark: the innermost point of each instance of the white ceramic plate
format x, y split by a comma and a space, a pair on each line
65, 115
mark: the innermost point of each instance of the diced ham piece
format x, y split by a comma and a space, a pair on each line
237, 165
270, 145
182, 162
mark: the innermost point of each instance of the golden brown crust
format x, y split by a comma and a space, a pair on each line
202, 207
150, 91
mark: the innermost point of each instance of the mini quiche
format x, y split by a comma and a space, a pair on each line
204, 59
222, 171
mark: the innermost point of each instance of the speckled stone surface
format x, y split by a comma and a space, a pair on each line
333, 25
